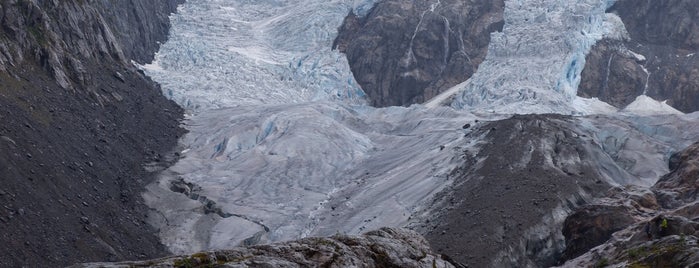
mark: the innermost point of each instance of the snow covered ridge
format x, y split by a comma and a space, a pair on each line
534, 64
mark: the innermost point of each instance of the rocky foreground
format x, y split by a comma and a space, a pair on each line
386, 247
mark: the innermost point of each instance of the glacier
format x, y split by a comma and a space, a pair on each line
280, 136
281, 143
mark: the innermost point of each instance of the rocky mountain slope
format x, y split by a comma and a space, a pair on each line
503, 208
405, 52
386, 247
78, 123
659, 59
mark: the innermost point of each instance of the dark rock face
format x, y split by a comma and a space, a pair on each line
403, 52
637, 219
129, 14
498, 212
666, 33
78, 125
386, 247
681, 185
591, 226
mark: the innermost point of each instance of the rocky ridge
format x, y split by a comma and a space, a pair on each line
79, 122
386, 247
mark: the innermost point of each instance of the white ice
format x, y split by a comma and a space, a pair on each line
268, 52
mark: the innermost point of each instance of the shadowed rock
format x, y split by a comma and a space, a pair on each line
591, 226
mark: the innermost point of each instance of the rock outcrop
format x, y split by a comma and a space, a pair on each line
406, 52
386, 247
591, 226
660, 59
643, 241
681, 185
79, 122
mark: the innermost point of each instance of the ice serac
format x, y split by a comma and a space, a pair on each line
534, 64
229, 53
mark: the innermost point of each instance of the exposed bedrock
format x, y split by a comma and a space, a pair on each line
626, 226
510, 198
681, 185
79, 123
659, 59
387, 247
406, 52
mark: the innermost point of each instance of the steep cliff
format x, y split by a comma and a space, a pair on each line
658, 60
406, 52
78, 124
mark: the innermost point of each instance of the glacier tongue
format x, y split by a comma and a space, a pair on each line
534, 64
283, 172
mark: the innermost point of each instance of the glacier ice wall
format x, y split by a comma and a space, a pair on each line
534, 64
223, 53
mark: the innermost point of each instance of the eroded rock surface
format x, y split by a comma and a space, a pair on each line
386, 247
406, 52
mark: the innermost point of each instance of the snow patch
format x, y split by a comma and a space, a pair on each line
585, 106
644, 105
